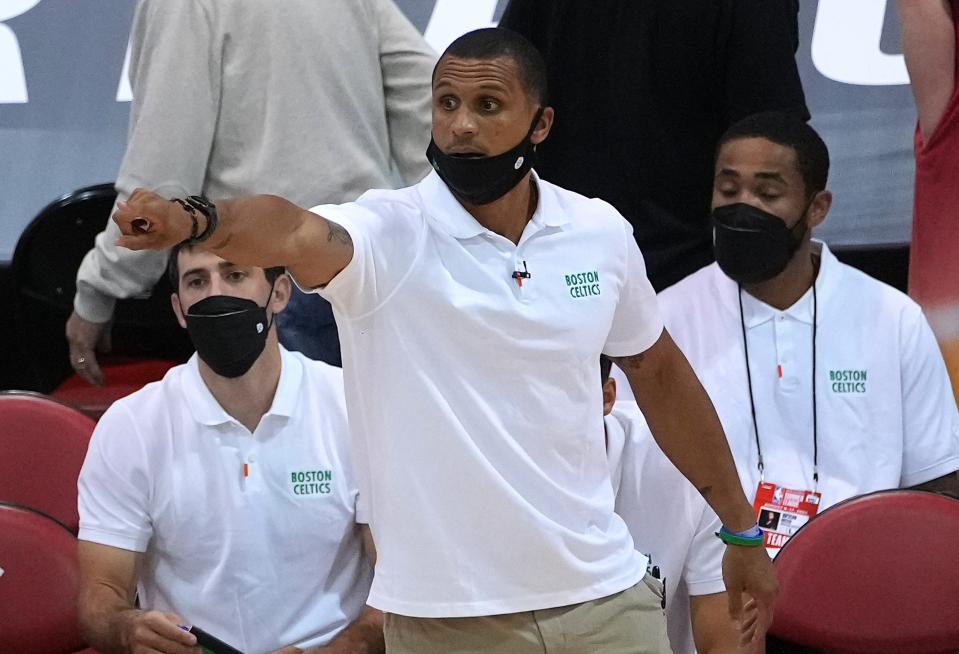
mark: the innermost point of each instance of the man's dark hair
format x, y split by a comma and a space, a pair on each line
173, 267
605, 367
496, 42
787, 130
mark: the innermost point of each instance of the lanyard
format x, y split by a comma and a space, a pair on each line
752, 403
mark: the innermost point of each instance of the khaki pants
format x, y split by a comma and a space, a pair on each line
630, 622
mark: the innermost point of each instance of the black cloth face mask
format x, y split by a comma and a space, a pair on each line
752, 245
481, 180
229, 333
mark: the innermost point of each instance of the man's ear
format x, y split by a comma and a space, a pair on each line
543, 125
282, 290
819, 207
609, 395
177, 310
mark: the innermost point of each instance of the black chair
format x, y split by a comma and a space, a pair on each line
43, 272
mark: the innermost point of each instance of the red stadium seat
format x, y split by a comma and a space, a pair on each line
877, 574
123, 376
42, 447
38, 585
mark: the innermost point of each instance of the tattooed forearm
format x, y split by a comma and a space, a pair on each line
337, 233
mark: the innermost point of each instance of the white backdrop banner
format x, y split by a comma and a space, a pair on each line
64, 101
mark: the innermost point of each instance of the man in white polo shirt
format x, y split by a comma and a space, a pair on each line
473, 308
223, 496
829, 383
672, 523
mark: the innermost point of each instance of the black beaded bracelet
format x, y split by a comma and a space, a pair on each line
190, 210
198, 203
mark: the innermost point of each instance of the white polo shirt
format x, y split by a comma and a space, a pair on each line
262, 561
668, 518
887, 417
474, 400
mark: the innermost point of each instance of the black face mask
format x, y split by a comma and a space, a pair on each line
752, 245
229, 333
481, 180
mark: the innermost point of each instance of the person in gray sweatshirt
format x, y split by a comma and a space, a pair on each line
316, 101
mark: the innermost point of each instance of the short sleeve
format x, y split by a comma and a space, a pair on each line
637, 323
386, 239
703, 571
930, 418
114, 485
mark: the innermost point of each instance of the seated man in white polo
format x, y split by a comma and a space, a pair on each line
829, 383
672, 523
223, 495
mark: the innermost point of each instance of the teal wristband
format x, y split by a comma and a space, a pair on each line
750, 538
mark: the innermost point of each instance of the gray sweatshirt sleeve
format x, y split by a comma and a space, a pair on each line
175, 75
407, 63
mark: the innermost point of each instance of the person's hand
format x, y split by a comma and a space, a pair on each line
749, 570
148, 632
85, 338
150, 222
753, 628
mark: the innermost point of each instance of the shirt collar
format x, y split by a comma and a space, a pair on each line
756, 312
287, 390
443, 207
207, 411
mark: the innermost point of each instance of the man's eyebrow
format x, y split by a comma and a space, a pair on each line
486, 84
768, 175
226, 264
193, 271
774, 176
494, 85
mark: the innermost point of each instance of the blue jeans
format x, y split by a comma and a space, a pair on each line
307, 326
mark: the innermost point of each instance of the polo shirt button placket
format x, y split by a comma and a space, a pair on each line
250, 474
787, 344
522, 277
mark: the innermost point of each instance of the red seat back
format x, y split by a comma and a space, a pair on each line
38, 587
122, 377
42, 447
878, 574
